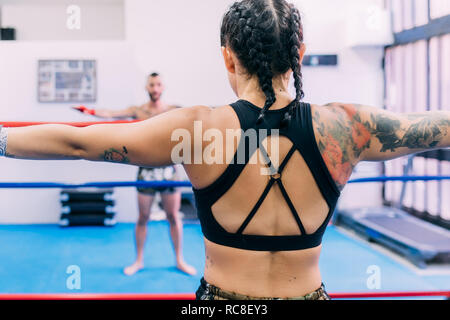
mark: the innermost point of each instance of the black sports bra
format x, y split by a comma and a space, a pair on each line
300, 132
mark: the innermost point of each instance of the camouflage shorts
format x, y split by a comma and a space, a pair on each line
210, 292
157, 174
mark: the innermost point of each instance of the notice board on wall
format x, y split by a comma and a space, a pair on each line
67, 81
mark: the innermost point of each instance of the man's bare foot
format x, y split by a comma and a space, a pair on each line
133, 269
183, 266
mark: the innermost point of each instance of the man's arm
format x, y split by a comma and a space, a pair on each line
146, 143
125, 113
106, 113
347, 134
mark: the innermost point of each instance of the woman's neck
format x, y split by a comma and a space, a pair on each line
250, 90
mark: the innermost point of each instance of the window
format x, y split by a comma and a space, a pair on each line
439, 8
416, 81
420, 8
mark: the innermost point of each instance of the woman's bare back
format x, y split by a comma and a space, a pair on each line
256, 273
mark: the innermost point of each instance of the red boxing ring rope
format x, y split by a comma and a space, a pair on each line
188, 296
73, 124
98, 296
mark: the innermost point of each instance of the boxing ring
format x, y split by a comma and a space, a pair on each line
159, 184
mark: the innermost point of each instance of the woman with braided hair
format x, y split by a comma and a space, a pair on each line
265, 206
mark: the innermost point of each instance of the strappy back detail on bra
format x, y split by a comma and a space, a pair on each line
301, 133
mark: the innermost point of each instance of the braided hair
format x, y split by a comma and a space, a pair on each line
266, 36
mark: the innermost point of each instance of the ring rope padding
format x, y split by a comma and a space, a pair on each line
173, 184
191, 296
12, 124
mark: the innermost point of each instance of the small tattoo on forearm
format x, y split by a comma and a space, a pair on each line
116, 156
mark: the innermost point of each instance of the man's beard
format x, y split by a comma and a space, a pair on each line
154, 98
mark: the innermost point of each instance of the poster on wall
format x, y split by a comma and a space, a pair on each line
69, 81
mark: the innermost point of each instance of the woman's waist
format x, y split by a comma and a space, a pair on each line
289, 273
206, 291
263, 286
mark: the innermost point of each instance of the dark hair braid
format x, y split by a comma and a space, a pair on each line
295, 42
266, 36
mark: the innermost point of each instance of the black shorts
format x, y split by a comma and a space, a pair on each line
207, 291
157, 174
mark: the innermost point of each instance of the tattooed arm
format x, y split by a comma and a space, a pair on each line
146, 143
395, 135
347, 134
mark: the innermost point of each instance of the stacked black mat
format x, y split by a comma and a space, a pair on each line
87, 208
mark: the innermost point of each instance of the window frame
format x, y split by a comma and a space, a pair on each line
435, 28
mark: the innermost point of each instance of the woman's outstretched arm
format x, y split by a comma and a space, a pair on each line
395, 135
146, 143
347, 134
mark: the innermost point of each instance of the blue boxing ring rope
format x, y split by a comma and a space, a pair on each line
167, 184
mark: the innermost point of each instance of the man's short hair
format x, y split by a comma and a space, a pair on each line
154, 75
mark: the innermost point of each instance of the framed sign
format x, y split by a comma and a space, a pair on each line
70, 81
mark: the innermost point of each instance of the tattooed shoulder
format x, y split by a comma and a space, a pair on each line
342, 136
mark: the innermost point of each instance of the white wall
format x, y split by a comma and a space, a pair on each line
46, 20
180, 39
359, 76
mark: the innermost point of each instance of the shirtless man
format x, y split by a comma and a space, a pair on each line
171, 198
